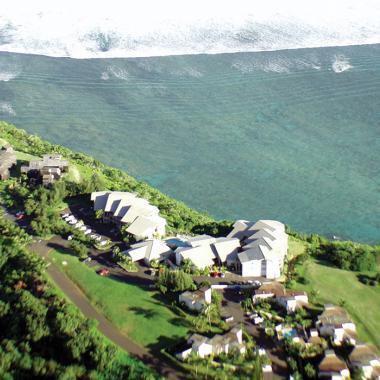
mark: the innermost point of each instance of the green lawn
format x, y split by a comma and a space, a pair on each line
139, 313
296, 247
334, 285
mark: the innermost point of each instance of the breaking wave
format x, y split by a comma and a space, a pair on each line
6, 108
8, 72
341, 64
148, 28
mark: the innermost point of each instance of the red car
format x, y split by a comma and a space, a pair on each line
104, 272
20, 215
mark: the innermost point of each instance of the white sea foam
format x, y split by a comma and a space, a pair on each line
274, 64
117, 72
8, 72
6, 76
6, 108
105, 75
137, 28
341, 64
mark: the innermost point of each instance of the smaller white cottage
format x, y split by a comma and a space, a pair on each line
203, 346
337, 324
332, 367
365, 358
196, 300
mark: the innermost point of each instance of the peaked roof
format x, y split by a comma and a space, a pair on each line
201, 256
226, 247
363, 354
334, 315
256, 253
143, 225
152, 249
331, 363
264, 241
200, 240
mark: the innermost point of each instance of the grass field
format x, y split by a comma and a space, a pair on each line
335, 285
139, 313
296, 247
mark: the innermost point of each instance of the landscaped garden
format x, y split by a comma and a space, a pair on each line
138, 312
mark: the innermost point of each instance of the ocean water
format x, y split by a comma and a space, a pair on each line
292, 135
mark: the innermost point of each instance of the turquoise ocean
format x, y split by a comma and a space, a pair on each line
292, 135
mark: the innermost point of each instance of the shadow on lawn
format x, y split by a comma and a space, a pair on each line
164, 342
61, 249
147, 313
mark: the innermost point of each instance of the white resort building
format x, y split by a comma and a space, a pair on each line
252, 249
125, 208
264, 247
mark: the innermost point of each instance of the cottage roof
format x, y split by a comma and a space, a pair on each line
274, 288
334, 315
362, 354
331, 363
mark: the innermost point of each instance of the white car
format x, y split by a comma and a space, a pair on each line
93, 236
103, 242
98, 238
82, 228
70, 237
258, 320
78, 224
87, 232
73, 221
64, 216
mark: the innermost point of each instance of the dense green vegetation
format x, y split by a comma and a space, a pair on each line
174, 281
41, 335
348, 255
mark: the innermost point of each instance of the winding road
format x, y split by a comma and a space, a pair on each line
104, 325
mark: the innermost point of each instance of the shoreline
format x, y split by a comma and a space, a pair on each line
204, 219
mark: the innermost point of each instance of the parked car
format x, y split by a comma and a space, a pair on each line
70, 237
65, 215
87, 232
257, 320
87, 260
214, 274
228, 318
222, 275
103, 243
73, 221
104, 272
20, 215
82, 228
69, 217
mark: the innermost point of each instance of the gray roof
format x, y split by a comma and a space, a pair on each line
251, 254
